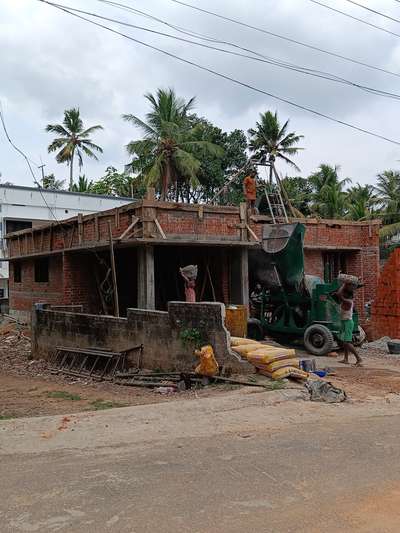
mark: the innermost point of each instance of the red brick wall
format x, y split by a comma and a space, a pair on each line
313, 263
80, 286
386, 307
23, 295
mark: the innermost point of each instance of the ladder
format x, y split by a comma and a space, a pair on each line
275, 204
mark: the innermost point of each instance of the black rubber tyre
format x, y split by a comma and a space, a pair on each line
360, 337
318, 339
255, 329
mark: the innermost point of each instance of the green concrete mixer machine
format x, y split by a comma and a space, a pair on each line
286, 303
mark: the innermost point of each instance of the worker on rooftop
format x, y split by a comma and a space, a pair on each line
250, 190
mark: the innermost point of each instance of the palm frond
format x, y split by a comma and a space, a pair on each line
57, 128
390, 230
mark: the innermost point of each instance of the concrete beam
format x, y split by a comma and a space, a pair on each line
146, 289
240, 277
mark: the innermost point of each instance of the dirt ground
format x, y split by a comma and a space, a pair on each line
29, 388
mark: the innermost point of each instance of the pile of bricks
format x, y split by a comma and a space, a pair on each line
386, 307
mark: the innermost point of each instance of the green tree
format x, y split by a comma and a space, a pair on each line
270, 141
215, 170
361, 202
388, 193
115, 183
299, 191
50, 182
328, 197
83, 185
73, 139
165, 156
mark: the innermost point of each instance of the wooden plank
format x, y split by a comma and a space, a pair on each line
135, 220
41, 240
160, 228
80, 228
71, 238
51, 238
117, 217
96, 228
243, 219
252, 233
114, 272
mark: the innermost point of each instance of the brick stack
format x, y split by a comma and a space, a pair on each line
386, 307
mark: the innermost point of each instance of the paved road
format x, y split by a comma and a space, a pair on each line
245, 462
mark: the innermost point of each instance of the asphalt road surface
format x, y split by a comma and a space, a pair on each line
260, 462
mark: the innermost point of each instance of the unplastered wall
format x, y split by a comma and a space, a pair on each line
161, 333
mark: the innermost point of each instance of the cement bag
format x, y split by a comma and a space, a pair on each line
244, 349
277, 365
289, 372
239, 341
257, 359
208, 364
273, 350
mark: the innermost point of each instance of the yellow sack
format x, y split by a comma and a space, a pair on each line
276, 365
208, 364
238, 341
289, 372
244, 349
269, 350
266, 359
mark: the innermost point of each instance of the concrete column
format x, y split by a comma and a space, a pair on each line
240, 277
146, 293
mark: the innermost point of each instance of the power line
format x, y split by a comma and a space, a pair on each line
224, 76
354, 18
289, 39
373, 11
27, 162
264, 59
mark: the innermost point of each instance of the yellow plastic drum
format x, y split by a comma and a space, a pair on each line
236, 320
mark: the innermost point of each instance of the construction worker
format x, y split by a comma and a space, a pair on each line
250, 190
345, 295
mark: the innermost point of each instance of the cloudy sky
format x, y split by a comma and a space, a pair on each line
51, 61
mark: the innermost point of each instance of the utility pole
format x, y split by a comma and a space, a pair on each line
42, 169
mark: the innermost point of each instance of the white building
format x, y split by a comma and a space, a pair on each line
25, 207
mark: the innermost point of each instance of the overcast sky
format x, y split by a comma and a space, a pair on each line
51, 61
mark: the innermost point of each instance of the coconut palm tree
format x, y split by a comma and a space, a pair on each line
73, 139
329, 197
388, 193
361, 201
83, 185
269, 141
165, 156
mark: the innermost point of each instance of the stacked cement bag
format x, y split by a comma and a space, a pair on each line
272, 361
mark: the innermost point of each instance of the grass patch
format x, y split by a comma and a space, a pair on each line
276, 385
64, 395
101, 405
6, 417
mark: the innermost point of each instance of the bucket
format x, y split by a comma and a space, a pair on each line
236, 320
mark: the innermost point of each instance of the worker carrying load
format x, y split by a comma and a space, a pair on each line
294, 306
345, 295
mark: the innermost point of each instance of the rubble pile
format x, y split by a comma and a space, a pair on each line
15, 350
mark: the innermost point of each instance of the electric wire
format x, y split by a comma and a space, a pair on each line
355, 18
373, 11
265, 59
289, 39
225, 76
27, 162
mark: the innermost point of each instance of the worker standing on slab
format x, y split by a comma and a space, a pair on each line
250, 190
346, 298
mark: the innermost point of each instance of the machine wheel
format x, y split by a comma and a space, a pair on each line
318, 339
360, 337
255, 329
